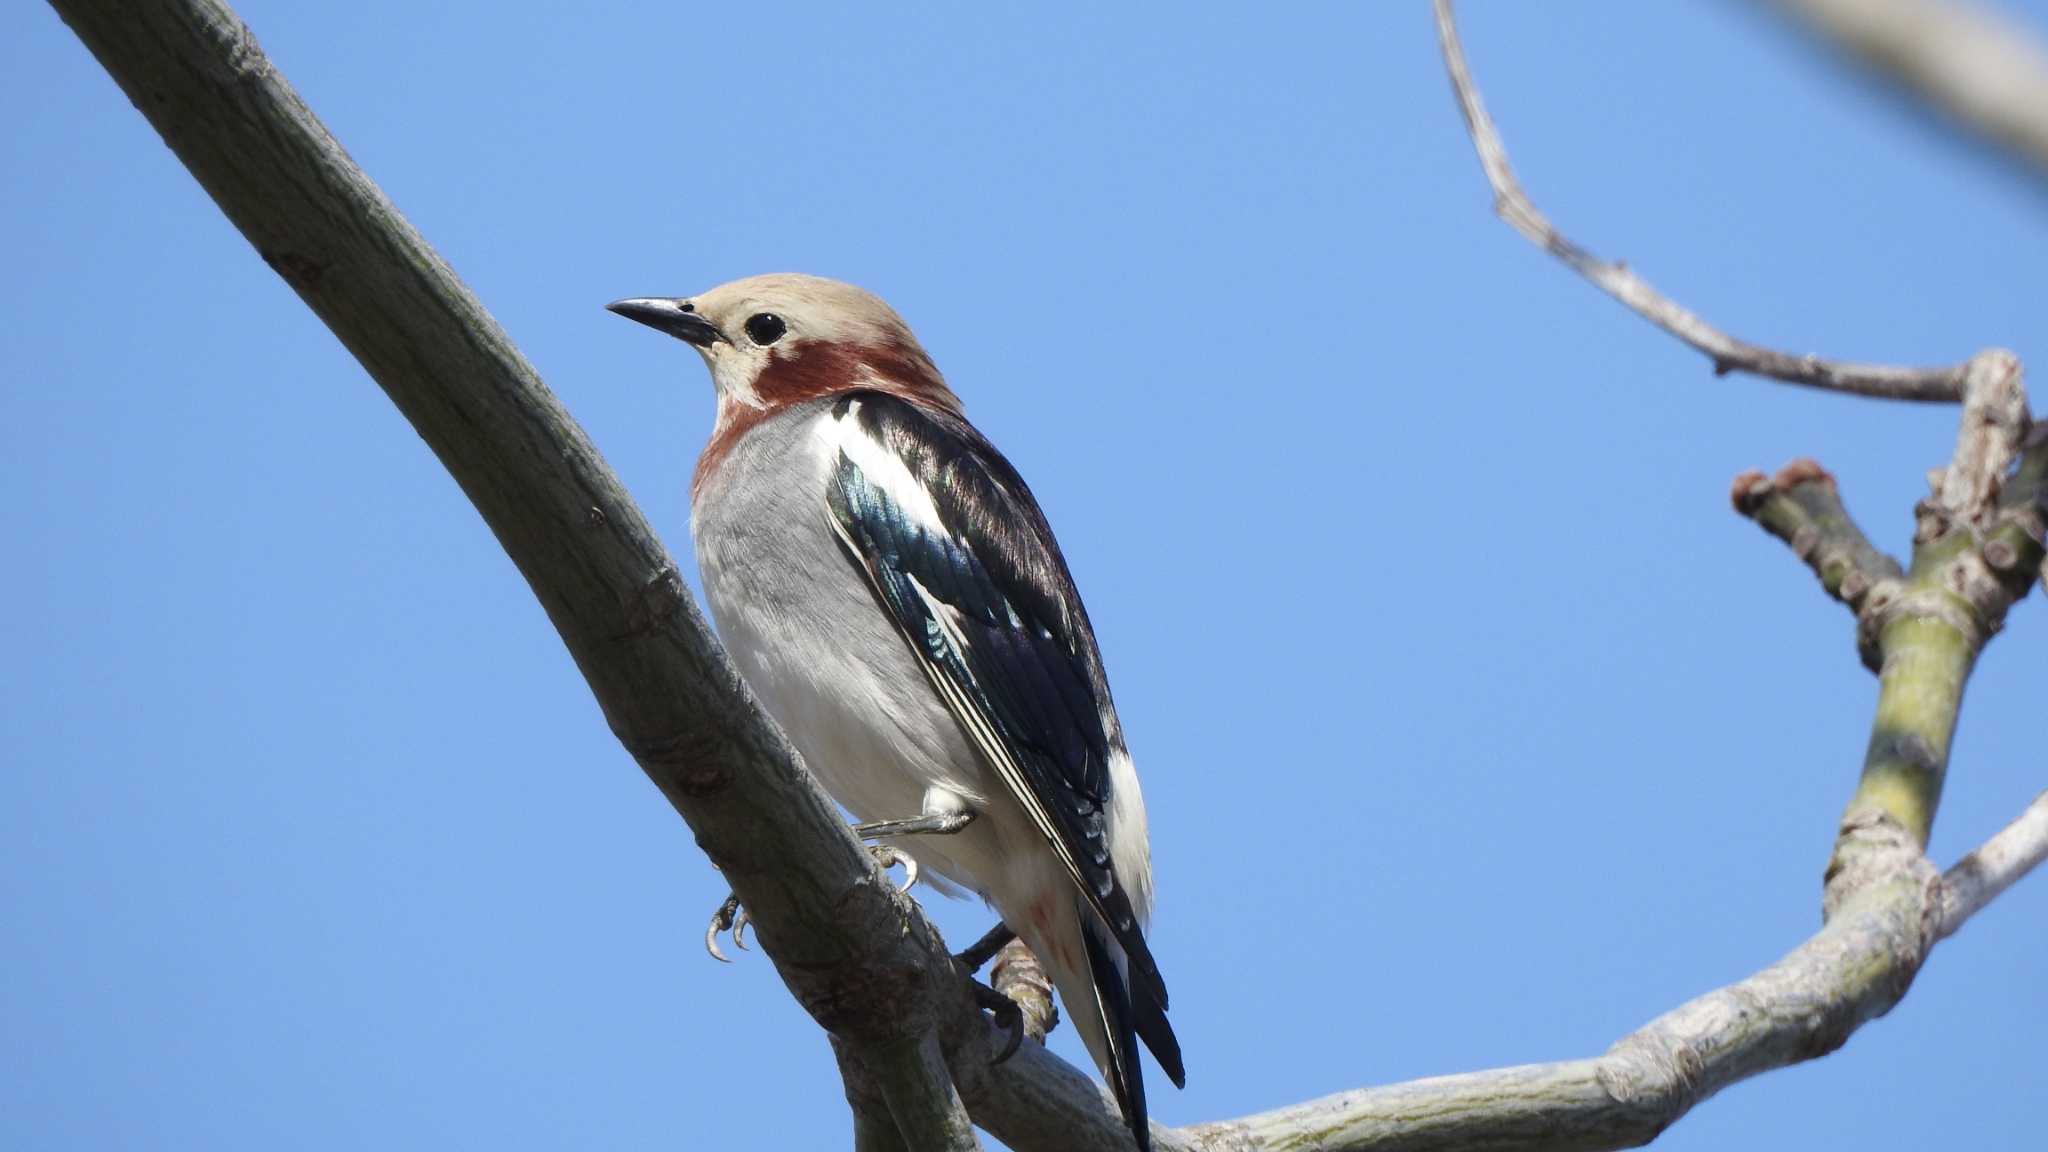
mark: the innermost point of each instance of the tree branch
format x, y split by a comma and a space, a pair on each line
861, 959
1017, 974
1987, 442
1985, 71
874, 1129
1995, 866
1729, 354
1929, 633
1802, 1007
1925, 638
918, 1088
1801, 506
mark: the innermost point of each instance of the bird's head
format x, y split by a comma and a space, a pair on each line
771, 341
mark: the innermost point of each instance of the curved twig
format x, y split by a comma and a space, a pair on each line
1884, 381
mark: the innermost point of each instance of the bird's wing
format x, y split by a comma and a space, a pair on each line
962, 559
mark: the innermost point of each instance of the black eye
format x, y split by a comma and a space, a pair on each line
765, 328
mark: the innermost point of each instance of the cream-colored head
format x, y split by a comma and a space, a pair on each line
785, 336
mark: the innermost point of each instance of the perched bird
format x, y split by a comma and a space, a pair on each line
895, 599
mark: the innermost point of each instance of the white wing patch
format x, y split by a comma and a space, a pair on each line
836, 434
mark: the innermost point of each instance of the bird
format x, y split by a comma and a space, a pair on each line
893, 596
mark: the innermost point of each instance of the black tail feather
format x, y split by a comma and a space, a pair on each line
1150, 1017
1126, 1078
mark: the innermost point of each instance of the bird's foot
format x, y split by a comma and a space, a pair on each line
1009, 1016
732, 917
984, 950
729, 917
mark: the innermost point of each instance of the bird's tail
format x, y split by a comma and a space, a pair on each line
1093, 977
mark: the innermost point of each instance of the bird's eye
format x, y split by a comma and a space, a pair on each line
765, 328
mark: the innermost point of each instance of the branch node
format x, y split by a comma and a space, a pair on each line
1870, 847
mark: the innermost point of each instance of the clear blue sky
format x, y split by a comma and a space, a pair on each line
1476, 729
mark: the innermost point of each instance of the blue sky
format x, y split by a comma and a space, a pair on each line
1475, 728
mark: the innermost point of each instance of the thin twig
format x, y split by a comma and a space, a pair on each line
1886, 382
1801, 506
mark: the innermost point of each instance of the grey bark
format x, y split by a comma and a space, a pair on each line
858, 957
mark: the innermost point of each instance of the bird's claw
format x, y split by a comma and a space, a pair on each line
729, 917
732, 917
1009, 1016
887, 857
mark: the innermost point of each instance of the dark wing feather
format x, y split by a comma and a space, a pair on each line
986, 601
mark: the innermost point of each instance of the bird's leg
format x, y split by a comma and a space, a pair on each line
929, 824
984, 950
731, 917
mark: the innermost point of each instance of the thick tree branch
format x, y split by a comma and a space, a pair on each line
860, 958
918, 1088
1986, 71
874, 1129
1728, 353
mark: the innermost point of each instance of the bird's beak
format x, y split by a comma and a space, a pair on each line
678, 318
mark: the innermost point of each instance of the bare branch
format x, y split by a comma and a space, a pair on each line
874, 1129
1987, 71
1729, 354
1800, 1008
1018, 975
918, 1087
1994, 421
1995, 866
1801, 506
2017, 546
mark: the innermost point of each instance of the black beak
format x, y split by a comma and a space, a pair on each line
678, 318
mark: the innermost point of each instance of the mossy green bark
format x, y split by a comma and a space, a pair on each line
1927, 661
